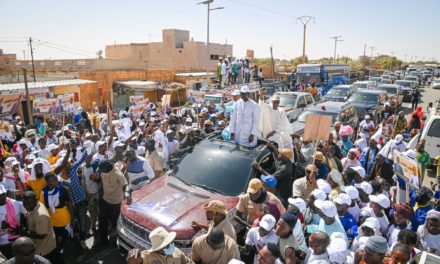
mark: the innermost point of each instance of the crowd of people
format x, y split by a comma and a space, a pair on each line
341, 200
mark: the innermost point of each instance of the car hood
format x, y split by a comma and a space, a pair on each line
298, 127
338, 98
361, 106
172, 204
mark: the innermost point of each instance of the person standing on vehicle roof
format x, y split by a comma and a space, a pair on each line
415, 97
274, 123
245, 120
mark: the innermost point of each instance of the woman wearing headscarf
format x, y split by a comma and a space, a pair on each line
430, 233
414, 122
402, 214
361, 143
370, 227
399, 124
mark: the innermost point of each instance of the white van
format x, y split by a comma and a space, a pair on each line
430, 133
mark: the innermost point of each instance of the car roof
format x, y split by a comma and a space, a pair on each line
371, 91
362, 82
330, 106
291, 93
387, 86
345, 86
402, 81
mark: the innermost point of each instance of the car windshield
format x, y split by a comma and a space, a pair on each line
270, 89
360, 85
302, 118
364, 98
385, 76
404, 84
411, 78
338, 91
223, 168
287, 100
389, 90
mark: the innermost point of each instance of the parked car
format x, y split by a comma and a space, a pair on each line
413, 78
294, 103
376, 79
177, 198
386, 79
406, 88
339, 111
339, 93
436, 84
394, 95
369, 102
365, 85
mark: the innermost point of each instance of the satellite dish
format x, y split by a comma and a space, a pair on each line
100, 52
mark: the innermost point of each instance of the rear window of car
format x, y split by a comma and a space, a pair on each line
434, 130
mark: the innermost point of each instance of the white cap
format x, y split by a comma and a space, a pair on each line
2, 189
360, 170
372, 223
15, 163
52, 147
367, 117
244, 89
380, 199
189, 120
117, 144
398, 138
364, 186
336, 176
268, 222
319, 195
351, 191
343, 198
299, 203
337, 250
327, 208
100, 143
235, 92
276, 97
324, 186
30, 157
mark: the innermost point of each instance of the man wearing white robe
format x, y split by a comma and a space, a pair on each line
245, 120
274, 123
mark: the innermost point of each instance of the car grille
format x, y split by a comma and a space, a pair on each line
134, 228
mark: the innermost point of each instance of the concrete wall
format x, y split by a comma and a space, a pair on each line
106, 79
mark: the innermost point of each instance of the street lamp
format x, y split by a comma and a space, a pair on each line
336, 38
208, 56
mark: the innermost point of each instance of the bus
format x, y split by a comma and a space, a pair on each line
325, 76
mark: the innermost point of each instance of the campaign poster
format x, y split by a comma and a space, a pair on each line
9, 104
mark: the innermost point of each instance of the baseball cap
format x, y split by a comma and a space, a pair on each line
244, 89
336, 176
236, 92
269, 180
364, 186
52, 147
254, 185
319, 195
380, 199
360, 170
216, 206
324, 186
189, 120
299, 203
351, 191
268, 222
327, 208
343, 198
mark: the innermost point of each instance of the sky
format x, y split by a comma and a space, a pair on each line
79, 29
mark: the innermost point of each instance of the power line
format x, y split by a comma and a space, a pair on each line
262, 8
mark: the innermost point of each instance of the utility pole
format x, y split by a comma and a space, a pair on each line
208, 56
336, 38
24, 55
305, 20
32, 57
28, 100
405, 55
271, 58
365, 47
371, 61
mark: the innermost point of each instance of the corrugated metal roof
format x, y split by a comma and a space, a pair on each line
138, 83
34, 85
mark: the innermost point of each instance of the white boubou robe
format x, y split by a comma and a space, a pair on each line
275, 120
245, 120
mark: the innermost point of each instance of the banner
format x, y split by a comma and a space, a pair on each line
135, 99
62, 104
138, 109
317, 127
9, 104
5, 131
122, 128
406, 168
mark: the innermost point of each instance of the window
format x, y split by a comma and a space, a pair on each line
309, 99
301, 102
214, 57
434, 130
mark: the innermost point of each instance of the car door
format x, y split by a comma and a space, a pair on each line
432, 138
